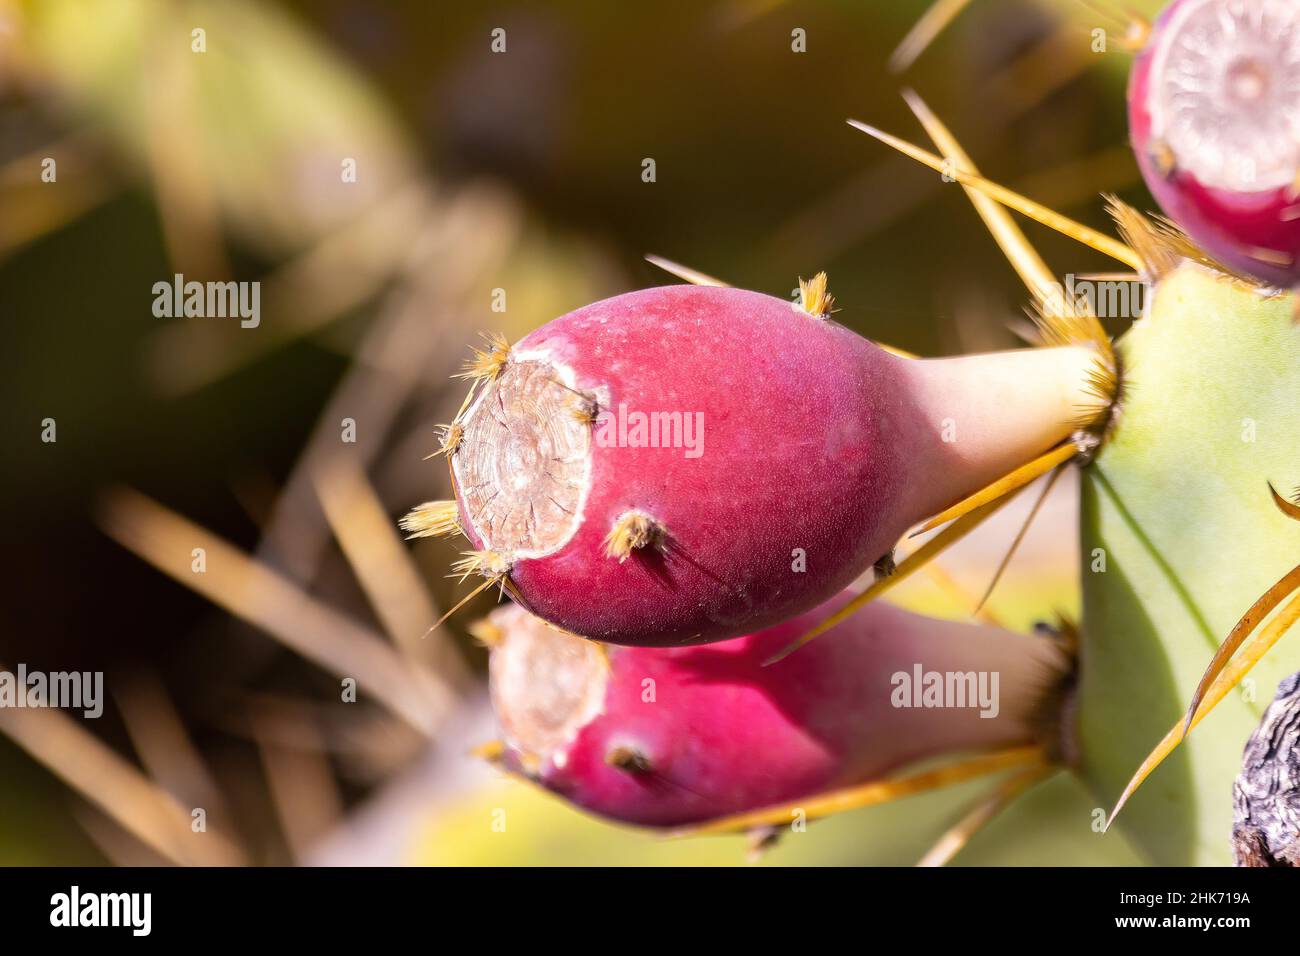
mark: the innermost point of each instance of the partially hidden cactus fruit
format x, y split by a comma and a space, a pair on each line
1214, 115
688, 464
673, 736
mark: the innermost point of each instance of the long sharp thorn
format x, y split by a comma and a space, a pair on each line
695, 277
1109, 276
1009, 482
1036, 211
1237, 636
1288, 508
1029, 265
1258, 611
1058, 320
918, 558
871, 794
1020, 536
463, 601
1231, 676
469, 397
954, 840
950, 586
936, 17
685, 273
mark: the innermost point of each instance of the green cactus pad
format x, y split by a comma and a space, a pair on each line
1177, 505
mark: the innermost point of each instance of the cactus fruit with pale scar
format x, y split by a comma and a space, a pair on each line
1214, 114
674, 736
818, 441
650, 469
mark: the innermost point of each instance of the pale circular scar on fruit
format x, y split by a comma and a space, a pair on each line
1223, 92
524, 463
546, 685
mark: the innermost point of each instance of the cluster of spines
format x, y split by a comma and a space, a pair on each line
632, 531
814, 298
433, 519
485, 364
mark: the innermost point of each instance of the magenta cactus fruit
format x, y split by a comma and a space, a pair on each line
671, 736
1214, 117
688, 464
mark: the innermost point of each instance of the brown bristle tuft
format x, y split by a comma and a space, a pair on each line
814, 298
632, 531
587, 410
629, 759
450, 437
1105, 389
490, 564
494, 567
1160, 244
1058, 323
433, 519
486, 363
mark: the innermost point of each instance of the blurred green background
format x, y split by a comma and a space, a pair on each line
475, 171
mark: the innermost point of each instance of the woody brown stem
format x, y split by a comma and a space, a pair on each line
1266, 795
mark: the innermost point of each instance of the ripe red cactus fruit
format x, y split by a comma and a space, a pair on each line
688, 464
676, 736
1214, 118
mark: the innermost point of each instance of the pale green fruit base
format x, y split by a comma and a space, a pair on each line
1179, 506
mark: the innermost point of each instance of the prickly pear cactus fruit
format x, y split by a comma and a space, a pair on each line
1180, 536
1184, 433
